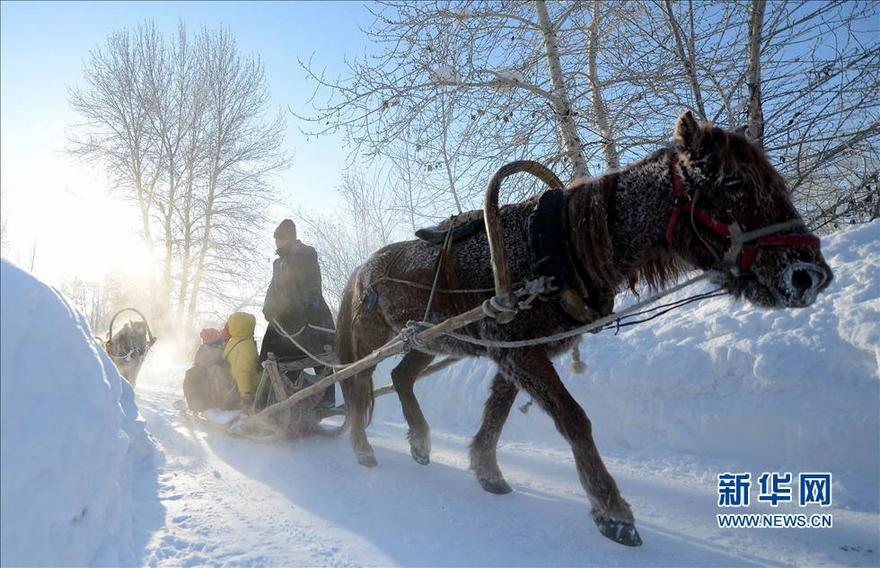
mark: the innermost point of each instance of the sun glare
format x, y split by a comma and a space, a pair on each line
65, 224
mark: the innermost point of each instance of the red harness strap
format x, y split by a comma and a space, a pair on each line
744, 254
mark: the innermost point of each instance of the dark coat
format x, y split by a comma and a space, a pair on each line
209, 383
294, 299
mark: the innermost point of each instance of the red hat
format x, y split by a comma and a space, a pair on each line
226, 335
210, 335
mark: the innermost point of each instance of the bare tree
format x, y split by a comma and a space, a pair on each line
243, 151
501, 66
600, 107
344, 241
452, 90
181, 125
114, 127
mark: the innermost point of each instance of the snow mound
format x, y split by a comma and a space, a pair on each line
71, 439
754, 390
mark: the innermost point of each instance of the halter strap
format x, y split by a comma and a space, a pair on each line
739, 255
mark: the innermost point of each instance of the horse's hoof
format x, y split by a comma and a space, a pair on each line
421, 457
619, 531
367, 460
495, 485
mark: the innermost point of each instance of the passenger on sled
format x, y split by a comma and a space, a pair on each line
240, 353
294, 302
208, 383
225, 370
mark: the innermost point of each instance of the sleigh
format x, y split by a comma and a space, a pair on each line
129, 346
283, 381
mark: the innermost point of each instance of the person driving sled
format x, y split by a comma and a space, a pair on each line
295, 301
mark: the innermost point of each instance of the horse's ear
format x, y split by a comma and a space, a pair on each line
687, 131
742, 130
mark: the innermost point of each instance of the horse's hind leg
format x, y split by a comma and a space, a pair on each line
534, 372
484, 463
404, 376
358, 409
368, 334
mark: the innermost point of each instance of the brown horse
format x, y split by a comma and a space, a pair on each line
711, 203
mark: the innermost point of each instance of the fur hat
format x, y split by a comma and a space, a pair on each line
286, 229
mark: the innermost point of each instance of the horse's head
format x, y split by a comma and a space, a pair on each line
734, 215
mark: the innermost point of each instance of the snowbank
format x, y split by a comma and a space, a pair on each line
71, 439
754, 390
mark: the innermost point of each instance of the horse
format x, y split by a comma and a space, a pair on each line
710, 201
128, 347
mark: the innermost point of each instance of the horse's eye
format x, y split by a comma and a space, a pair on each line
731, 182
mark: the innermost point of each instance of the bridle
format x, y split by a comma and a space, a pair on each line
743, 246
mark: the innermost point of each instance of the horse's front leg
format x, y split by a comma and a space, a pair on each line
533, 372
484, 462
403, 376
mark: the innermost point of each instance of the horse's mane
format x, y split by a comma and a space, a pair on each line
739, 156
596, 249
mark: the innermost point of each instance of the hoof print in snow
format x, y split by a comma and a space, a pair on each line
619, 531
421, 457
367, 460
496, 485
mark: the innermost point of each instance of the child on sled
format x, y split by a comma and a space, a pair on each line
224, 373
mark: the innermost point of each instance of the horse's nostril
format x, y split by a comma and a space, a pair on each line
802, 280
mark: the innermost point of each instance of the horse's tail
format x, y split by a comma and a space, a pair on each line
357, 391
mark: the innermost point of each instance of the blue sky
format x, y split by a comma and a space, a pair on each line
42, 48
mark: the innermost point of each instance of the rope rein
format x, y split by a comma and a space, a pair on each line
280, 329
611, 320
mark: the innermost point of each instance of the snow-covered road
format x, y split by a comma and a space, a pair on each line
307, 502
719, 387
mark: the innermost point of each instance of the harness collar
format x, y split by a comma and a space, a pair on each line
551, 255
739, 256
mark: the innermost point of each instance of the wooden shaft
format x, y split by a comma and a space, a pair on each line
389, 350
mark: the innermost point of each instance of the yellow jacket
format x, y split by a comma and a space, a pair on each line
241, 352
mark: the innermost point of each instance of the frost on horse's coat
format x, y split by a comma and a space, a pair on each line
617, 235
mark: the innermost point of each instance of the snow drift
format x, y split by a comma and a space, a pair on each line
71, 439
752, 389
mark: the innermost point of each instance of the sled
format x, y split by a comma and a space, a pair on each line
129, 346
279, 380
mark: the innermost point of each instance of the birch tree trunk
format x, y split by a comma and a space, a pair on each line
755, 109
199, 272
571, 142
446, 114
687, 57
600, 109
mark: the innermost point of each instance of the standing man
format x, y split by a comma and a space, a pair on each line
294, 300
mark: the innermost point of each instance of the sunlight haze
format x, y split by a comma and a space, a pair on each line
60, 211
